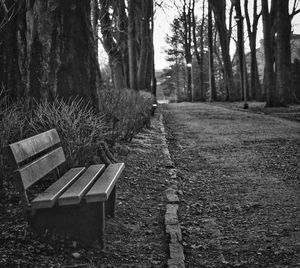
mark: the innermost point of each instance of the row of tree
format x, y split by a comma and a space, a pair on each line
204, 43
127, 37
50, 48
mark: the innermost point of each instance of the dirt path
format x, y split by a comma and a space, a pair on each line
239, 173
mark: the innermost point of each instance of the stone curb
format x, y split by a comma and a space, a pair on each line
173, 228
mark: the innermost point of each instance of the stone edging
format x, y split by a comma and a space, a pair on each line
173, 229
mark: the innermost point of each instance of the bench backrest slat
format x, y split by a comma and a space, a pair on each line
24, 149
34, 171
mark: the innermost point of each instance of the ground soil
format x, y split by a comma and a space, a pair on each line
239, 173
134, 238
239, 178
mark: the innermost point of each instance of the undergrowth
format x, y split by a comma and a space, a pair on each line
126, 112
121, 115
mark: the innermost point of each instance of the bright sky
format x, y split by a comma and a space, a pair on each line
163, 19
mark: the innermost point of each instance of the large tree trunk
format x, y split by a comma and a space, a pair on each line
240, 46
283, 53
188, 45
145, 63
212, 82
52, 48
119, 30
199, 93
111, 47
255, 87
95, 24
153, 76
10, 78
132, 44
271, 98
219, 8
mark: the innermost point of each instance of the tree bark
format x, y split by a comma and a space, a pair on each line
145, 45
198, 94
153, 76
132, 44
54, 54
255, 87
111, 46
271, 98
212, 82
95, 24
121, 35
11, 83
240, 47
187, 45
219, 8
283, 53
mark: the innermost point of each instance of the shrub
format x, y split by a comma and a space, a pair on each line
78, 126
12, 123
122, 114
126, 111
12, 128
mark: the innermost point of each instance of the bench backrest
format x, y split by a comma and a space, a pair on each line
35, 157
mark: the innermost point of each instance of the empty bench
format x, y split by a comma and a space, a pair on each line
78, 200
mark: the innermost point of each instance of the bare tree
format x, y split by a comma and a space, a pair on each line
212, 82
295, 9
268, 30
145, 55
132, 6
255, 86
151, 77
219, 9
241, 51
199, 56
283, 53
111, 47
187, 19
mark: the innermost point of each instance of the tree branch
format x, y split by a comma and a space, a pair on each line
4, 6
294, 13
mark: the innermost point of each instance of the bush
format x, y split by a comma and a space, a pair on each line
12, 126
79, 127
123, 113
126, 112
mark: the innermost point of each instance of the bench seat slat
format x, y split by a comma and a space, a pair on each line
24, 149
102, 188
74, 194
49, 196
34, 171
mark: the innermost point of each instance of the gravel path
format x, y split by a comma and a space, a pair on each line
239, 173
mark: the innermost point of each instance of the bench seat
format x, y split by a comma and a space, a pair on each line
78, 183
101, 190
48, 198
76, 191
77, 203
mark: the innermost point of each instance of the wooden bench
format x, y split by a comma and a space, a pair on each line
77, 202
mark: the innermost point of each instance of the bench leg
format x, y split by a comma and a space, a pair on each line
102, 224
84, 222
110, 204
